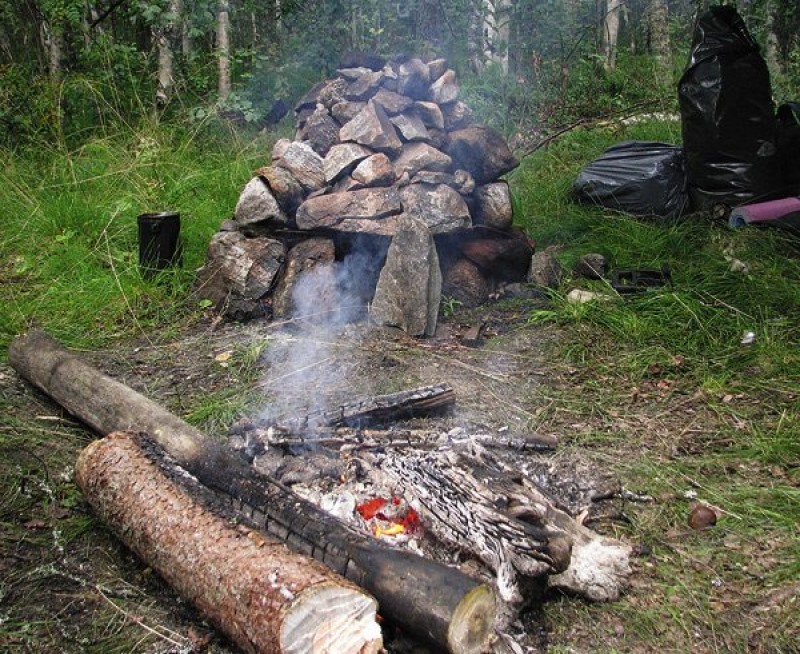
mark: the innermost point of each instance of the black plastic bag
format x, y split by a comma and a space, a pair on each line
644, 178
727, 113
789, 145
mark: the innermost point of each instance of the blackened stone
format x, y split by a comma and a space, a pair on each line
482, 152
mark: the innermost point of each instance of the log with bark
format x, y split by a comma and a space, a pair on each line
430, 600
265, 598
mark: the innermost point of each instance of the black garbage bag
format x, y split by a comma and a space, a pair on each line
789, 145
727, 114
643, 178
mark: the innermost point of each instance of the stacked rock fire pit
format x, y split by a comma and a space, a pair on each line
388, 198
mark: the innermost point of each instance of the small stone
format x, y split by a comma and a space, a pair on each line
286, 189
702, 517
545, 270
331, 209
445, 89
482, 152
437, 68
306, 255
441, 208
493, 206
413, 79
582, 296
392, 103
304, 164
280, 147
257, 204
320, 130
457, 115
591, 266
410, 127
376, 170
343, 112
342, 158
371, 128
430, 114
421, 156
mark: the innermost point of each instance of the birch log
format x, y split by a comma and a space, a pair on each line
265, 598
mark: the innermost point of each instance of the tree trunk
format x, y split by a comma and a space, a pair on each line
53, 36
771, 53
611, 33
264, 597
658, 20
430, 600
496, 29
224, 51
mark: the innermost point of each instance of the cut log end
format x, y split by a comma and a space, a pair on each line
472, 622
336, 620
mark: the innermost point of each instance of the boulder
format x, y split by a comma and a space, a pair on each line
284, 187
421, 156
239, 272
392, 103
409, 288
492, 206
290, 294
376, 170
413, 79
441, 208
457, 115
321, 131
327, 211
445, 89
371, 128
464, 282
430, 114
410, 127
482, 152
257, 204
342, 158
304, 164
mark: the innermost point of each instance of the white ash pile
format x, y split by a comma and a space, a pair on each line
388, 198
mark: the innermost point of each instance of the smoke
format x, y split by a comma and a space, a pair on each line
309, 363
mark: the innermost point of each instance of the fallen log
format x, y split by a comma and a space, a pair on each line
265, 598
429, 600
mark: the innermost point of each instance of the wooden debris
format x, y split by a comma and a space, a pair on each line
265, 598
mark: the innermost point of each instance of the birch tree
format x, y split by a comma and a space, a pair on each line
223, 50
658, 26
610, 34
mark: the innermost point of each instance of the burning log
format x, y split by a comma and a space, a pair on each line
264, 597
430, 600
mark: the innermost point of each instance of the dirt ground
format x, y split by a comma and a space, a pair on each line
69, 586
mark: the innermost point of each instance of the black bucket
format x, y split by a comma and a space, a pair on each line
159, 241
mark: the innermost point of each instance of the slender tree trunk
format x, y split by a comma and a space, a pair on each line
658, 19
772, 50
475, 35
496, 29
53, 38
611, 33
224, 50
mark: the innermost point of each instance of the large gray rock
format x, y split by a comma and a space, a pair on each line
321, 131
413, 79
343, 112
304, 164
372, 128
482, 152
291, 291
421, 156
284, 187
328, 211
409, 288
363, 83
410, 127
342, 158
376, 170
430, 114
441, 208
445, 89
493, 206
457, 115
392, 103
257, 204
239, 272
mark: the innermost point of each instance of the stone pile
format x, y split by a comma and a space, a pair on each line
389, 197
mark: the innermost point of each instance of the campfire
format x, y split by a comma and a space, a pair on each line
388, 198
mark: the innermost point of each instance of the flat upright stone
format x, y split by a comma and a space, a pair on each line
410, 127
413, 79
257, 204
344, 111
392, 103
409, 288
304, 164
482, 152
457, 115
321, 131
372, 128
239, 272
376, 170
493, 206
292, 291
437, 68
430, 114
441, 208
363, 85
284, 187
421, 156
342, 158
545, 269
445, 89
327, 211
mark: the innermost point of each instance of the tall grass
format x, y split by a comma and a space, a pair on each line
68, 250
